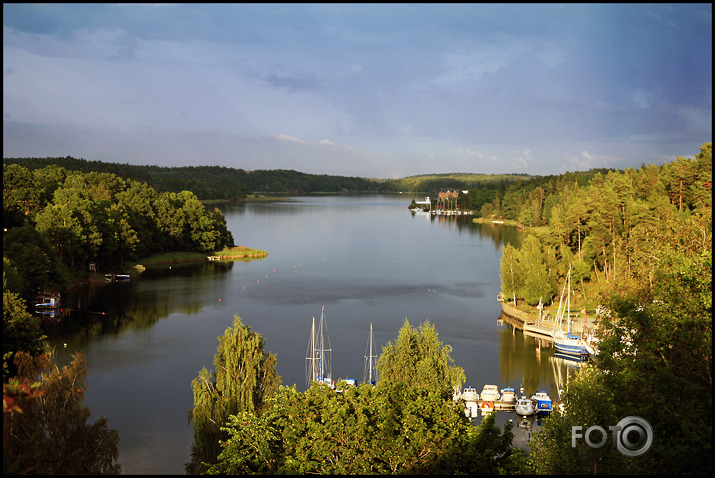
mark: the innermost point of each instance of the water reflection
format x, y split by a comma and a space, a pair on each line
101, 309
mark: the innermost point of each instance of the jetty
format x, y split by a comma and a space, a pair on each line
541, 325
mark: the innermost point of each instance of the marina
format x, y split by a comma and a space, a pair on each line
489, 401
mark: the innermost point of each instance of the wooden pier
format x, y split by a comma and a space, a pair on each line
541, 328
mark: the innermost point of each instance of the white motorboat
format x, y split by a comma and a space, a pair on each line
470, 394
524, 407
490, 393
508, 395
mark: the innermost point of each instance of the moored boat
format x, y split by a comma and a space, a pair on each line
564, 341
542, 403
524, 407
508, 395
490, 393
470, 394
48, 299
471, 409
318, 363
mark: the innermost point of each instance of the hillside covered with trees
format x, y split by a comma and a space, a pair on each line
218, 182
57, 221
639, 246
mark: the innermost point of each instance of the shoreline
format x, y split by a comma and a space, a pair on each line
135, 269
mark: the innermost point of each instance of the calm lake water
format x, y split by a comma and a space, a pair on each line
367, 259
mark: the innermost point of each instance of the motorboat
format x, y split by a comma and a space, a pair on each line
470, 394
48, 299
508, 395
524, 406
542, 403
490, 393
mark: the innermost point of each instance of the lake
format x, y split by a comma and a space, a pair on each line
367, 259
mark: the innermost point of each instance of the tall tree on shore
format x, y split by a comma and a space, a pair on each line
512, 277
244, 377
419, 359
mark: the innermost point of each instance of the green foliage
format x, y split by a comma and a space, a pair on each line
528, 272
654, 362
69, 217
52, 434
365, 430
405, 424
21, 331
244, 378
418, 359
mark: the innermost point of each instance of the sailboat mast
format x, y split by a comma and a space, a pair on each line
568, 302
370, 366
311, 372
370, 369
321, 362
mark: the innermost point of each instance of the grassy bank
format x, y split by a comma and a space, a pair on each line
240, 253
232, 253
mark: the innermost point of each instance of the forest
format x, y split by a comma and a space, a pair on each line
57, 221
638, 243
218, 182
608, 229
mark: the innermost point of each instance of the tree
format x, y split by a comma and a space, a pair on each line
244, 378
419, 359
405, 424
51, 435
512, 277
537, 284
21, 331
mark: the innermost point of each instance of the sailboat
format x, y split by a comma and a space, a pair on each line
566, 342
370, 368
317, 358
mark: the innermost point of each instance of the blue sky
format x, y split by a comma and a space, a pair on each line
370, 90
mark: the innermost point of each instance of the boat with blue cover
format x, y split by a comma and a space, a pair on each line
542, 403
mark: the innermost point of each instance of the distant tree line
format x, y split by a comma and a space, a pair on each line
218, 182
211, 182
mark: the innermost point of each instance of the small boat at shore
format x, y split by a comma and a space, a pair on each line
524, 407
564, 341
48, 299
318, 363
470, 394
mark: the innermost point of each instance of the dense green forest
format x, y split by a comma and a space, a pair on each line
607, 230
57, 221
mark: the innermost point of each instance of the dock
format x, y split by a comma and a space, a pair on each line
542, 328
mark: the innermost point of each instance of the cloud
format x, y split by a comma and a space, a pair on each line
585, 161
524, 158
292, 139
